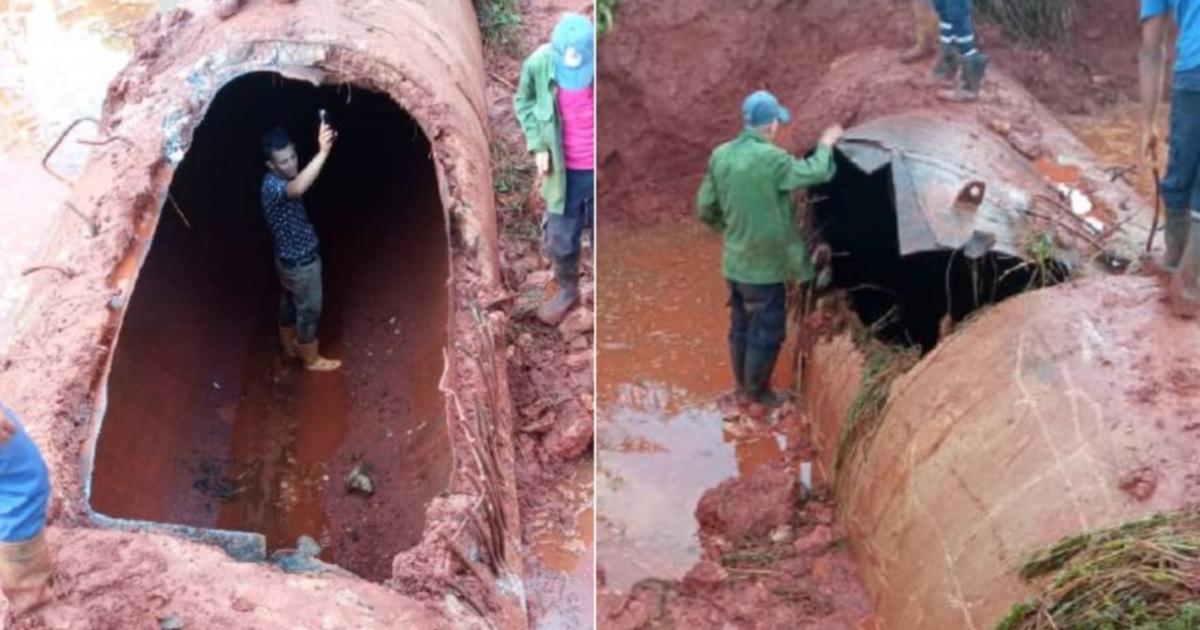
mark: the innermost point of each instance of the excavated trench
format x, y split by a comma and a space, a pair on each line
207, 425
905, 298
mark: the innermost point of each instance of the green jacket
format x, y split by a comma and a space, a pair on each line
536, 105
747, 197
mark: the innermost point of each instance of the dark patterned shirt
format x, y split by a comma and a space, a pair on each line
294, 236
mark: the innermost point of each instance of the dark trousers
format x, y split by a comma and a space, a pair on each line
300, 303
957, 27
758, 326
562, 234
1179, 187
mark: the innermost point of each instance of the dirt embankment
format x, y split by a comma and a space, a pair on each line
674, 75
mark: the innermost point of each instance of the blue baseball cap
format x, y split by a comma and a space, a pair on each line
762, 108
574, 44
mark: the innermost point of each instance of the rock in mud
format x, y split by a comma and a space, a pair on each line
579, 322
571, 435
749, 507
705, 578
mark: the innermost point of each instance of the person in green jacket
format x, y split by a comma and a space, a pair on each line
555, 104
746, 197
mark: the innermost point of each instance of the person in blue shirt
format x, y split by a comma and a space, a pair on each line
297, 255
24, 498
1179, 194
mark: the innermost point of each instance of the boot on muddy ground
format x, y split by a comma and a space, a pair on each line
287, 339
313, 361
25, 574
737, 358
948, 64
1175, 237
226, 9
967, 90
926, 28
566, 274
1185, 284
760, 365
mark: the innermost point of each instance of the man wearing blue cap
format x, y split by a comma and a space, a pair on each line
24, 497
555, 104
1179, 187
747, 197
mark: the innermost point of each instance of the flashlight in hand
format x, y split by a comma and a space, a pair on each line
321, 112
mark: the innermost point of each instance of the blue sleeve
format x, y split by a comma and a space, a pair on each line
273, 190
1154, 8
24, 486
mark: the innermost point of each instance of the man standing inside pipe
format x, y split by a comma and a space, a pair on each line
297, 256
960, 63
1182, 255
24, 497
555, 104
746, 197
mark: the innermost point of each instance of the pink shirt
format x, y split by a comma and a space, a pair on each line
578, 109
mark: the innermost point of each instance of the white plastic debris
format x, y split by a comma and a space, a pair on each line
1080, 203
1095, 224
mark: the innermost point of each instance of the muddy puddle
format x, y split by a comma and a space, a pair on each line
56, 59
563, 556
661, 438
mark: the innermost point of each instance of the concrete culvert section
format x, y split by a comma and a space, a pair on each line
236, 438
152, 358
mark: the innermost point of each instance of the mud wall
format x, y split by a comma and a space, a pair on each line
427, 58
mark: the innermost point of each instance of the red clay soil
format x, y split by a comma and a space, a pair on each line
431, 64
675, 74
1053, 413
767, 566
550, 371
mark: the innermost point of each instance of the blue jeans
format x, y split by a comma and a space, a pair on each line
1179, 187
562, 234
957, 29
300, 303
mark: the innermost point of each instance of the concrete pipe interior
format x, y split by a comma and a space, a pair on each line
206, 424
904, 299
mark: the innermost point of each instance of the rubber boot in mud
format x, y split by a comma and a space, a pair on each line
1175, 238
287, 339
926, 28
737, 358
967, 90
948, 64
1185, 284
566, 274
310, 353
760, 365
226, 9
25, 574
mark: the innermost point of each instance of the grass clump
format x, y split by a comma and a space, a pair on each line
1143, 575
500, 21
884, 363
513, 178
1041, 23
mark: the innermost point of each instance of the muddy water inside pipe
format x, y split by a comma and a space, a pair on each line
661, 441
208, 424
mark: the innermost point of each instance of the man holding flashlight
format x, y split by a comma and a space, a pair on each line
297, 256
555, 105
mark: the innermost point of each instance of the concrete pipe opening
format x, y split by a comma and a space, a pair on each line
905, 298
207, 425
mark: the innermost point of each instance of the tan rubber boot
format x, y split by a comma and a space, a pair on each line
287, 339
1185, 284
226, 9
927, 27
313, 361
25, 574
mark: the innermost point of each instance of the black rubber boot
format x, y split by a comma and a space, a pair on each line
948, 64
737, 358
566, 274
760, 364
1175, 237
974, 67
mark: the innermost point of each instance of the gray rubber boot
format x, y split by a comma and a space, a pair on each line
1185, 284
1175, 237
974, 67
948, 64
566, 274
